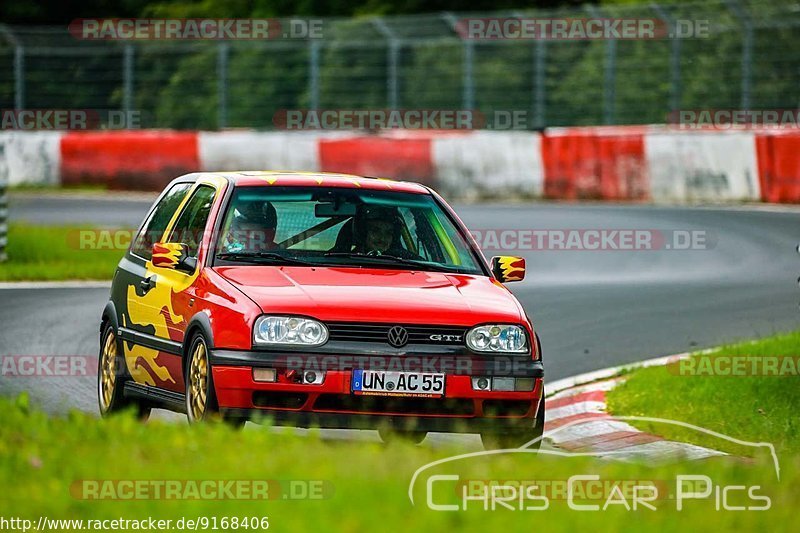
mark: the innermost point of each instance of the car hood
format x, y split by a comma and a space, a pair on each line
376, 295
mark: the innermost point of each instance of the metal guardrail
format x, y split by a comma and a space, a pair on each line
749, 59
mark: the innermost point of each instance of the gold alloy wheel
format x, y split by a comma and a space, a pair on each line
108, 371
198, 381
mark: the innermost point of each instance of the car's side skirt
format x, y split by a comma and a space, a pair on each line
157, 396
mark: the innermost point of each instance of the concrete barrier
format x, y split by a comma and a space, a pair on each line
404, 158
595, 163
31, 158
706, 166
779, 166
139, 160
484, 163
258, 151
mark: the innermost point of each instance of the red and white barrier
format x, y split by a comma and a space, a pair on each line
638, 163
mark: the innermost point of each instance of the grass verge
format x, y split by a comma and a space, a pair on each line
53, 253
750, 391
46, 462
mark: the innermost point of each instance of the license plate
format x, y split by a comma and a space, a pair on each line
380, 383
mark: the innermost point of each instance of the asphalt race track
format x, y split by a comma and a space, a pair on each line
592, 309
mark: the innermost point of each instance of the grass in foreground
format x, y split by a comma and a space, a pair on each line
44, 459
756, 408
54, 253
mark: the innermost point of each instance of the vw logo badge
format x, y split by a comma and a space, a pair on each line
398, 336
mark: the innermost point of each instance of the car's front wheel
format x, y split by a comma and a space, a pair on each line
201, 398
396, 435
493, 441
111, 377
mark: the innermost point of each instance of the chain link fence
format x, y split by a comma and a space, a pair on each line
746, 57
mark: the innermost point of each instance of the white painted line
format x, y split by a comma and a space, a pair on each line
573, 409
605, 386
76, 284
664, 450
590, 428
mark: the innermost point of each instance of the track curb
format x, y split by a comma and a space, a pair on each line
577, 419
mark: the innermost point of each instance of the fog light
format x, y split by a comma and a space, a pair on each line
503, 384
525, 384
264, 374
480, 384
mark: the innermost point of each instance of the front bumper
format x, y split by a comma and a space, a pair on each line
331, 404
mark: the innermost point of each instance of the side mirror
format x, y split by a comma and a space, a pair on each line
508, 268
175, 256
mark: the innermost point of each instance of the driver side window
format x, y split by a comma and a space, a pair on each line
159, 219
191, 224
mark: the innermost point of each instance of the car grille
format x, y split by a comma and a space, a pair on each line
395, 405
364, 332
279, 399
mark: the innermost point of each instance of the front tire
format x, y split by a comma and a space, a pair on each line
494, 441
410, 436
112, 373
201, 397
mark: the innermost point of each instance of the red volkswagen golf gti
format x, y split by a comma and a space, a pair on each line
321, 300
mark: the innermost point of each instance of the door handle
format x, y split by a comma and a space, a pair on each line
147, 284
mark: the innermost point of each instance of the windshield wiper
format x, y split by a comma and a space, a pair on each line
270, 257
389, 258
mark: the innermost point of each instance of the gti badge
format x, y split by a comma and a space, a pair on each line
445, 338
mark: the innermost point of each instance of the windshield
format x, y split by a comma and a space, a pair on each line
338, 226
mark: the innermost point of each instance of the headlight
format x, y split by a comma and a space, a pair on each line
497, 338
289, 331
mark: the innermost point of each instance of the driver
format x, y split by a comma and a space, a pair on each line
377, 232
253, 230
